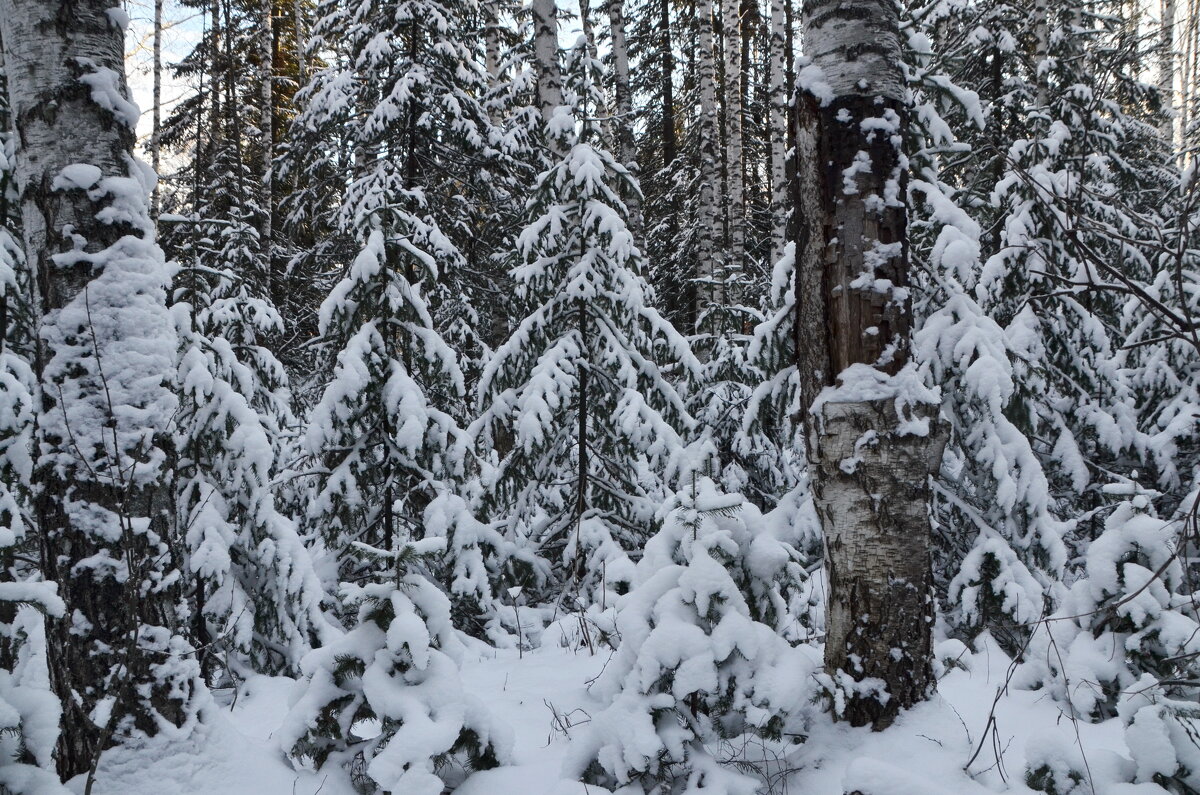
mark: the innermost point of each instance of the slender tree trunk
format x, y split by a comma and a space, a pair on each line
874, 439
545, 54
777, 131
300, 41
1166, 68
735, 197
667, 64
626, 144
267, 132
105, 360
491, 40
156, 131
585, 24
1041, 51
708, 270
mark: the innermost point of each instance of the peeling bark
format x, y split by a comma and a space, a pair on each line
870, 470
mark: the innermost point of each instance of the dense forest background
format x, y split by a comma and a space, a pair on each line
460, 327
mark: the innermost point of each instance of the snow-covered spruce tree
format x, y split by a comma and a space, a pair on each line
394, 123
258, 597
998, 548
30, 710
386, 446
586, 425
699, 661
1062, 235
770, 441
398, 666
402, 89
107, 347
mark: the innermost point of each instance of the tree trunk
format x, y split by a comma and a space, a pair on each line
626, 144
667, 64
875, 439
708, 271
156, 131
1166, 68
777, 131
105, 360
1041, 48
735, 196
267, 133
545, 54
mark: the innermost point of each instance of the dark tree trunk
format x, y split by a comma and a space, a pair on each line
105, 359
872, 452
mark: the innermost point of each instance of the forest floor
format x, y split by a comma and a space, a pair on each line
543, 696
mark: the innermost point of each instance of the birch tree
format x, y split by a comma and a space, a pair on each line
545, 54
777, 128
874, 436
105, 361
626, 145
735, 204
707, 268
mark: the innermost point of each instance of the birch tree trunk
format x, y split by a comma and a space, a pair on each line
626, 144
708, 270
1166, 67
267, 132
105, 360
735, 197
777, 124
156, 130
874, 437
1041, 51
545, 55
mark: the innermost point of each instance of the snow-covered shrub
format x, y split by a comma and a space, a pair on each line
29, 710
1124, 618
1162, 732
385, 699
696, 664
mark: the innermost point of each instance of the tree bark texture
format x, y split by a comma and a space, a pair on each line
708, 270
626, 145
872, 452
105, 359
545, 54
871, 489
777, 123
735, 195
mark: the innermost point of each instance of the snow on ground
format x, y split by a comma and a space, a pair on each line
231, 754
543, 696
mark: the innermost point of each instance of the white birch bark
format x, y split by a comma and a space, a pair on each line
1166, 67
156, 129
491, 40
105, 361
626, 146
267, 131
735, 199
777, 128
708, 270
1041, 33
545, 55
